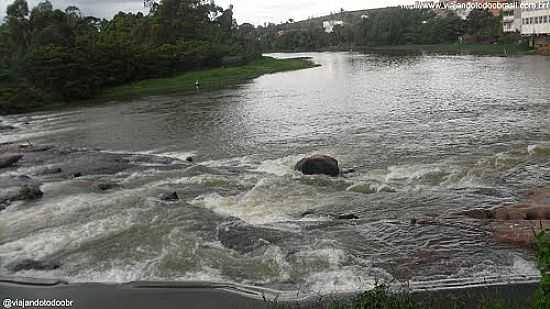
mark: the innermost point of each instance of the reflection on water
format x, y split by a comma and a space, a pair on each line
434, 135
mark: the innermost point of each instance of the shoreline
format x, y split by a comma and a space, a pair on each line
519, 295
209, 79
184, 83
476, 49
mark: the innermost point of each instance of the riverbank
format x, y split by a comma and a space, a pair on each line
502, 50
430, 49
209, 79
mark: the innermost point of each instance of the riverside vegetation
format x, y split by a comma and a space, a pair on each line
51, 58
397, 28
48, 55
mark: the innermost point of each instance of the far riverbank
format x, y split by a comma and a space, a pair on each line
208, 79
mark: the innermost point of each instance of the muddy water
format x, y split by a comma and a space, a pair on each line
429, 137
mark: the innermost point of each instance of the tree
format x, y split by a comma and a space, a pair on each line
63, 55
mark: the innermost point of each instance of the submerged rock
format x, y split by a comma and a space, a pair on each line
9, 160
363, 187
35, 148
29, 264
318, 165
480, 214
170, 197
244, 238
386, 189
49, 171
348, 217
106, 186
6, 127
19, 188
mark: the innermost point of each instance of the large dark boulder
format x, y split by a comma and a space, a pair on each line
318, 165
170, 197
9, 160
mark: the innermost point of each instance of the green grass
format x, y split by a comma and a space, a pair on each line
500, 49
209, 79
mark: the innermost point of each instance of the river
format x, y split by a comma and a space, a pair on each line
436, 135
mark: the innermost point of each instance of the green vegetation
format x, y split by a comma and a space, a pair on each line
542, 299
395, 26
209, 79
49, 55
496, 49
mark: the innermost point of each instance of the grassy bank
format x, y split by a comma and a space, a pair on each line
209, 79
499, 49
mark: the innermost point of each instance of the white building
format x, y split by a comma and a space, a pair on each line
329, 25
511, 18
535, 17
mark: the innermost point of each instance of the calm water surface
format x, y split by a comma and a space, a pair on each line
444, 133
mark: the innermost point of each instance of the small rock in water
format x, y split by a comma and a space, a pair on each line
77, 175
18, 188
347, 171
189, 159
362, 187
106, 186
6, 127
9, 160
170, 197
386, 189
30, 192
348, 217
29, 264
413, 221
49, 171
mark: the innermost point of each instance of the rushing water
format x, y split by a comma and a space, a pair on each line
445, 133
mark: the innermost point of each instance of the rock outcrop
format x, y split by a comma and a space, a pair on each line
518, 223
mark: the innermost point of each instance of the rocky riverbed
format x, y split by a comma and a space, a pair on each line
32, 172
431, 177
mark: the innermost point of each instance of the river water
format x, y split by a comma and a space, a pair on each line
435, 135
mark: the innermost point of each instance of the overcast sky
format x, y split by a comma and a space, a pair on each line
252, 11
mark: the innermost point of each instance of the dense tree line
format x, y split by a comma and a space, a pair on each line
388, 26
48, 54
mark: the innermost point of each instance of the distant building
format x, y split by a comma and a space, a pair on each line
511, 17
531, 18
329, 25
535, 17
